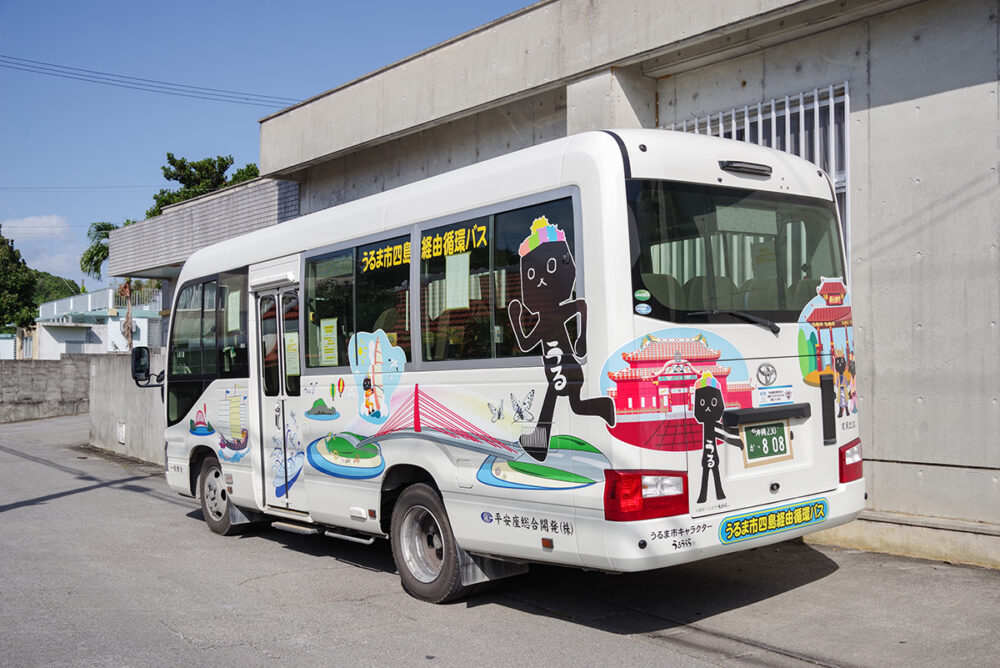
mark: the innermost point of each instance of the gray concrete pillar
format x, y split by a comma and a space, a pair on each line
618, 97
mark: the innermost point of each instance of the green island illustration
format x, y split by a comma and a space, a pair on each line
343, 448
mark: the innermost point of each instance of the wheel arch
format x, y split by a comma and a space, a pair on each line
396, 479
199, 453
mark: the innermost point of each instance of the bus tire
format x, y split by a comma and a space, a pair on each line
424, 548
214, 498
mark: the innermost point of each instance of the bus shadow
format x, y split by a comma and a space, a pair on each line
627, 603
375, 557
667, 598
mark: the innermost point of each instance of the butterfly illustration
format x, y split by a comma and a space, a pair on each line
496, 412
522, 409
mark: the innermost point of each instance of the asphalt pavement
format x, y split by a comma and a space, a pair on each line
102, 565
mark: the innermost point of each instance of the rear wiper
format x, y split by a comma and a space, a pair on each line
749, 317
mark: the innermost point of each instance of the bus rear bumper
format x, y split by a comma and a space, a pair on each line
657, 543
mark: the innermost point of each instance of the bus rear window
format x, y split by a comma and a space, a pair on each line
702, 248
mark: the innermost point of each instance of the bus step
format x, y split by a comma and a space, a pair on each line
301, 529
351, 538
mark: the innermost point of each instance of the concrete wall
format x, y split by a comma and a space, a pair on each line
33, 389
514, 126
537, 49
124, 418
59, 339
925, 261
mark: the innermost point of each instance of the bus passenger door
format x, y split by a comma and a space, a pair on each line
283, 455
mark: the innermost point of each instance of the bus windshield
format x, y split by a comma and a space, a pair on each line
700, 248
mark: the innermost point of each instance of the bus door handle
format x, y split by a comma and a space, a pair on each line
277, 416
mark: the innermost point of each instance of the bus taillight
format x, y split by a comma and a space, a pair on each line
851, 463
642, 495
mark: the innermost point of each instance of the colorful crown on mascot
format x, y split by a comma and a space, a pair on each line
541, 232
706, 380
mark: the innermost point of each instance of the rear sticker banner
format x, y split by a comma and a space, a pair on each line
764, 523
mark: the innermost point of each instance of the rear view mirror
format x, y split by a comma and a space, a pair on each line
140, 364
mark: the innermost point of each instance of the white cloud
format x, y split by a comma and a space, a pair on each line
35, 226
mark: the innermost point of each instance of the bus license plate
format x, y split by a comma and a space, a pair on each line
766, 442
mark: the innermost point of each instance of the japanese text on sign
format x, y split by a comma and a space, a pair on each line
662, 534
754, 525
385, 257
530, 523
452, 242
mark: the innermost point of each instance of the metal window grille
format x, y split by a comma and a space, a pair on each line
811, 124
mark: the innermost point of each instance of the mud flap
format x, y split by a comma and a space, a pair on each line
239, 516
476, 569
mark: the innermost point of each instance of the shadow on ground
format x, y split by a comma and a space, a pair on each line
626, 603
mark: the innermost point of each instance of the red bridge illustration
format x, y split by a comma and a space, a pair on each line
421, 414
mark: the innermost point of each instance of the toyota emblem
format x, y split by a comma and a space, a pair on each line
767, 374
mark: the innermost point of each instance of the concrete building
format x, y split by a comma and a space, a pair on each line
94, 323
897, 99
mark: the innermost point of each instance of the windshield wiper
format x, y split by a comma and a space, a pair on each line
749, 317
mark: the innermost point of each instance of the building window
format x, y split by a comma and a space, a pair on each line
810, 124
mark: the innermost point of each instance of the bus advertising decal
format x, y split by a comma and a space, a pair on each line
708, 408
319, 410
346, 455
548, 278
285, 470
232, 418
651, 381
378, 367
826, 342
452, 242
767, 522
571, 463
200, 426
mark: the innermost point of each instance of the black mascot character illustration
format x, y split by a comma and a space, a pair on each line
708, 408
548, 275
843, 392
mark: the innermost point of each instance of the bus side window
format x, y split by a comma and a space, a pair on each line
209, 348
383, 280
231, 325
329, 304
510, 230
455, 292
193, 354
269, 346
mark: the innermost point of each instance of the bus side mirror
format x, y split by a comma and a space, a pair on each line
140, 364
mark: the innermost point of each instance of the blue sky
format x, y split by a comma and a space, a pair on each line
73, 152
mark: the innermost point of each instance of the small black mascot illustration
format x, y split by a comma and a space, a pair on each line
548, 275
843, 392
708, 408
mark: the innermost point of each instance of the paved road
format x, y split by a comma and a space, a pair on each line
102, 565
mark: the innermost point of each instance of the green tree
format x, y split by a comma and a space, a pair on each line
197, 178
17, 288
50, 288
96, 254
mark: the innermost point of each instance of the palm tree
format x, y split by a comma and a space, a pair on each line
97, 252
93, 259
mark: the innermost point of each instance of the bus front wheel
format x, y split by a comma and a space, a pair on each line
214, 497
424, 548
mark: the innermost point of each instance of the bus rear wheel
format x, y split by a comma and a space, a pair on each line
424, 547
214, 497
